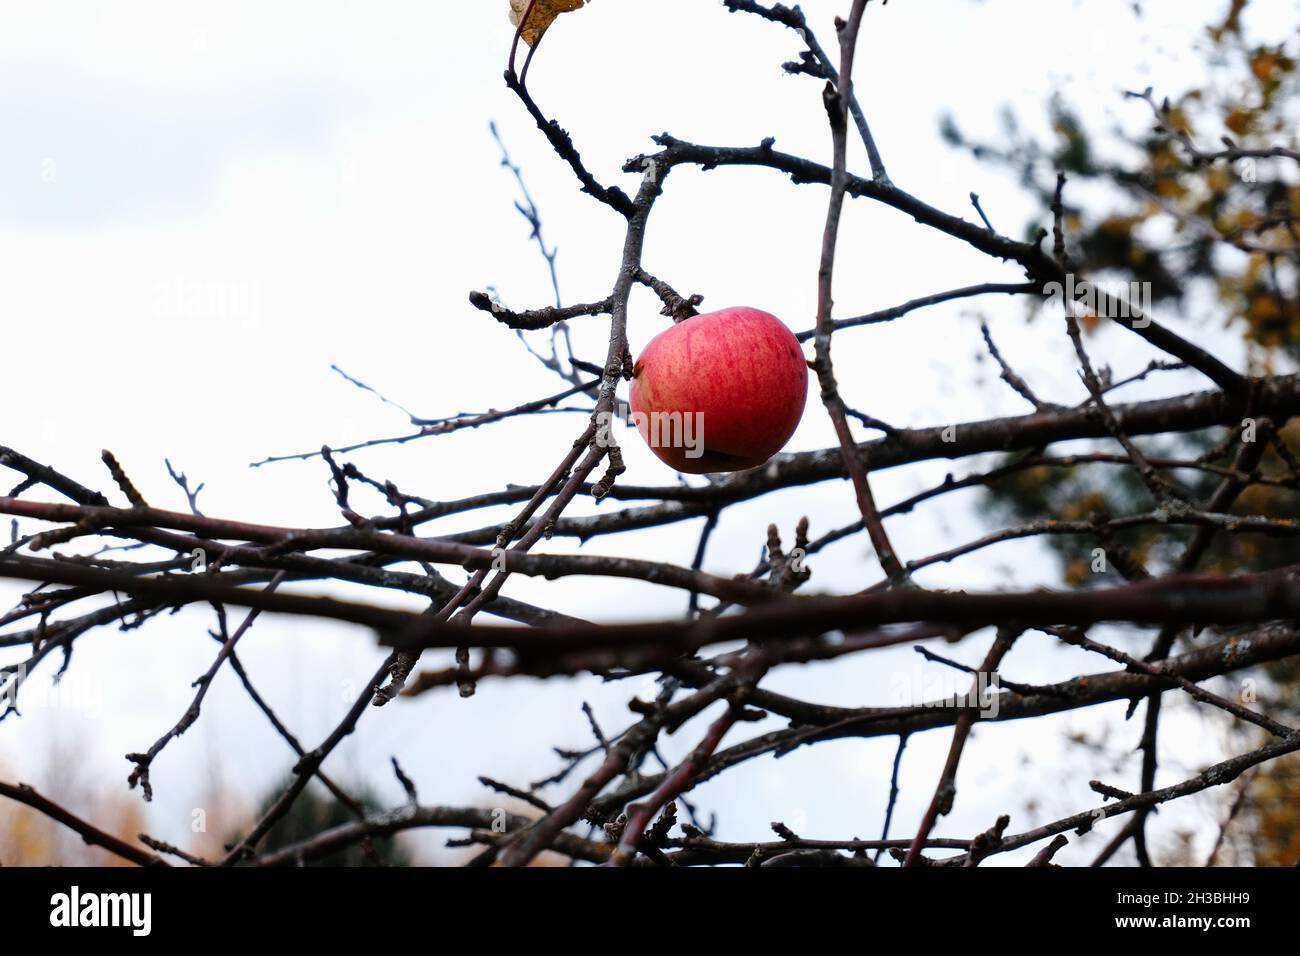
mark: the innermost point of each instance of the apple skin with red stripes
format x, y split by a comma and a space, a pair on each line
736, 378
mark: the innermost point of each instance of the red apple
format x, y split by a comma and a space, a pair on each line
719, 392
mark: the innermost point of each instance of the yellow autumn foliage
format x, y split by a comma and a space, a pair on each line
540, 17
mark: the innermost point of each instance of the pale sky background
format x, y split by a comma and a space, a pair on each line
204, 206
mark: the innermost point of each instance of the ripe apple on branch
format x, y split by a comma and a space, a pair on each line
727, 387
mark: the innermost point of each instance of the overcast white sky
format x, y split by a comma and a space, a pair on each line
204, 206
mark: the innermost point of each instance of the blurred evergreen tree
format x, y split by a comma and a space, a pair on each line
317, 810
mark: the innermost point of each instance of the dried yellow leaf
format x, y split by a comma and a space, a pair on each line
1238, 121
541, 17
1262, 64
